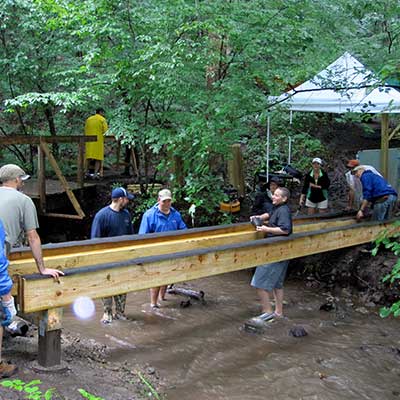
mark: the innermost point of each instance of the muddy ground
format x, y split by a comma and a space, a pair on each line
86, 362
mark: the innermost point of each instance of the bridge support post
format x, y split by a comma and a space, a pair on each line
49, 335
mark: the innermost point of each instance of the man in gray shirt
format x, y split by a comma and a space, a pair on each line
19, 217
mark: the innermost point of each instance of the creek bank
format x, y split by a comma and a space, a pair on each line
352, 270
85, 366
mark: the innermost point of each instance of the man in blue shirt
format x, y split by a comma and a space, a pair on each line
7, 308
114, 220
161, 218
376, 191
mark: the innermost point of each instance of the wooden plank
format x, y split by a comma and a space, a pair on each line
128, 240
81, 163
23, 139
76, 260
59, 215
105, 280
62, 179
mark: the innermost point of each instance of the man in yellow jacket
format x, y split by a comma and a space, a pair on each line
96, 125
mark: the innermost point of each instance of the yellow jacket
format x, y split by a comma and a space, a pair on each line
96, 125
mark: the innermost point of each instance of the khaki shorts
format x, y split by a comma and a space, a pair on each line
321, 205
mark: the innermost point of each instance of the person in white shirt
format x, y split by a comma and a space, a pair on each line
355, 196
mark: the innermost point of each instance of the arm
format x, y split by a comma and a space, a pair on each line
350, 199
263, 217
144, 225
361, 211
272, 230
305, 189
36, 247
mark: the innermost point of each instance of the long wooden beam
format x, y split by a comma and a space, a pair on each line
38, 293
128, 240
23, 139
143, 246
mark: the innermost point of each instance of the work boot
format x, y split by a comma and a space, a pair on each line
6, 370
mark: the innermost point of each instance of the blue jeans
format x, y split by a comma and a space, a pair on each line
383, 211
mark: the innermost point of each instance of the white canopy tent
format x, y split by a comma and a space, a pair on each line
345, 86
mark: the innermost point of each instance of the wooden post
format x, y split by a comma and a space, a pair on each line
385, 145
81, 162
62, 179
178, 170
42, 177
235, 170
49, 335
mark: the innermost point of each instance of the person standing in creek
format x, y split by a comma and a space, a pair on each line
268, 279
114, 220
162, 217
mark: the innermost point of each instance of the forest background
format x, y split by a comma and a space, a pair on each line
179, 79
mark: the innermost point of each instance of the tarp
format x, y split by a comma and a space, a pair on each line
344, 86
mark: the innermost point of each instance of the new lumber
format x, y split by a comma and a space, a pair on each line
144, 245
37, 292
108, 243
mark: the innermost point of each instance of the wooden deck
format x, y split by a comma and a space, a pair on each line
53, 186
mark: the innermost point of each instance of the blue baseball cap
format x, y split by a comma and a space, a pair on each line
121, 192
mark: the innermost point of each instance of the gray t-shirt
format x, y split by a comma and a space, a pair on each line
18, 214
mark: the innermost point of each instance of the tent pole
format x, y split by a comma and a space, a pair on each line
385, 145
267, 165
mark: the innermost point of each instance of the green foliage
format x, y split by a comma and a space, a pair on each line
88, 396
31, 389
180, 78
152, 391
390, 240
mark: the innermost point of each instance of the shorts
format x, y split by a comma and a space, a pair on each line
321, 205
270, 276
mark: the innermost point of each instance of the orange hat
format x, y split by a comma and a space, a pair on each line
353, 163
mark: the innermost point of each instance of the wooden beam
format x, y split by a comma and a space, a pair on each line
81, 163
385, 145
53, 249
148, 248
40, 293
62, 179
23, 139
394, 132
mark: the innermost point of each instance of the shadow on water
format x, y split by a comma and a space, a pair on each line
204, 352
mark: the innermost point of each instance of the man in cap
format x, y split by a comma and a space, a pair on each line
355, 186
114, 220
19, 216
161, 218
377, 192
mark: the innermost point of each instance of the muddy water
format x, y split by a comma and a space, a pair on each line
204, 352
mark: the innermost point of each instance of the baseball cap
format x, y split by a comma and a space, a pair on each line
121, 192
357, 168
317, 160
353, 163
10, 172
165, 194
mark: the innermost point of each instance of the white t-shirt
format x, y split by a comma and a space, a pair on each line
355, 184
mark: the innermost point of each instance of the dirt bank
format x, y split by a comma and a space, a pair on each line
84, 366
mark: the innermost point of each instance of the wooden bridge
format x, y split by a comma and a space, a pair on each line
105, 267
